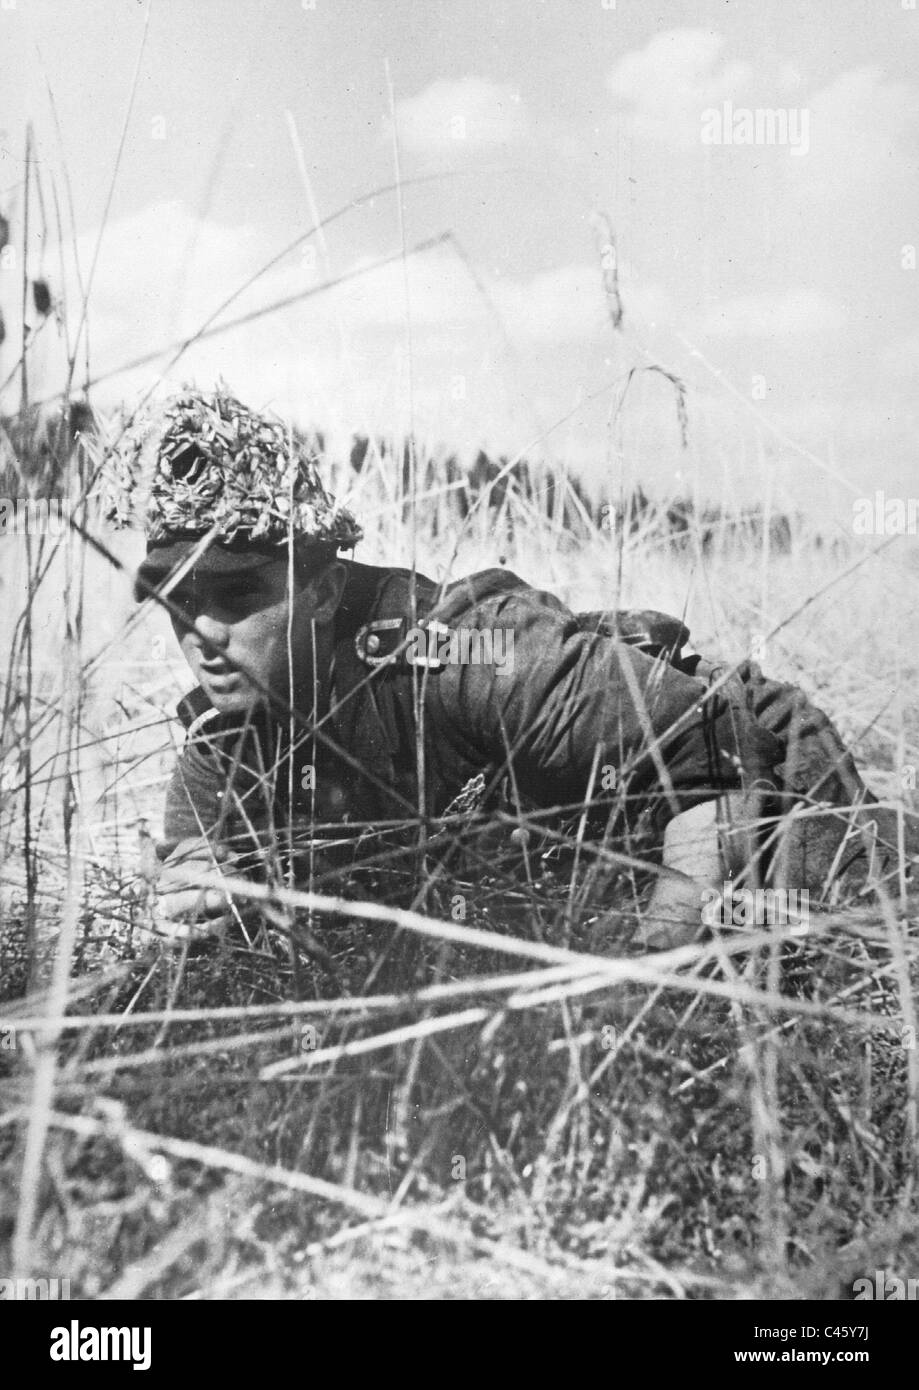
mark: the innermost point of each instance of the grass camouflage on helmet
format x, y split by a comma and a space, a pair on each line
222, 468
220, 464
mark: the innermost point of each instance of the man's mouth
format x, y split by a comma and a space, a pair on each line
220, 677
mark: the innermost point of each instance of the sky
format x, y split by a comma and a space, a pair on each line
777, 279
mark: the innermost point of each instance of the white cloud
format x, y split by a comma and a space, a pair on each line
670, 82
166, 269
861, 108
439, 293
338, 359
561, 305
564, 304
861, 126
145, 260
467, 114
900, 358
764, 315
864, 129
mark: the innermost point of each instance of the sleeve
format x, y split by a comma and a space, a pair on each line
563, 692
194, 796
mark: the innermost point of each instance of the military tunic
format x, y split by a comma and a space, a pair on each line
589, 702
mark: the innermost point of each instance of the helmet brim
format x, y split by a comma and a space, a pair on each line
164, 559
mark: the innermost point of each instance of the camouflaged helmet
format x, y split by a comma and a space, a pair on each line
240, 477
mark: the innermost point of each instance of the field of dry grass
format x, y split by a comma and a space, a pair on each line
427, 1111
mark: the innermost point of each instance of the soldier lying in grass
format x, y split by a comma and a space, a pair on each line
350, 699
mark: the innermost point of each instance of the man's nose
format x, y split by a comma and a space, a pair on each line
214, 634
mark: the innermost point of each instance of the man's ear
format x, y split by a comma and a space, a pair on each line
323, 593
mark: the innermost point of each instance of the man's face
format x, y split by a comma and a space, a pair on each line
245, 631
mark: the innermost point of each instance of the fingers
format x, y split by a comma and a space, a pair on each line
176, 932
673, 915
190, 862
187, 909
192, 902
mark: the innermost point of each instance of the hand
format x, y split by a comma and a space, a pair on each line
692, 855
184, 909
673, 916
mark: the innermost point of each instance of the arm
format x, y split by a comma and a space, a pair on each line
190, 848
576, 701
568, 693
194, 798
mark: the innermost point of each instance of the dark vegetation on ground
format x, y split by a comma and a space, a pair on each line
611, 1137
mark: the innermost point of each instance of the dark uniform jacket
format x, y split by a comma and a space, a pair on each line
604, 702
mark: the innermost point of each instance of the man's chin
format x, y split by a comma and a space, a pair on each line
231, 696
233, 704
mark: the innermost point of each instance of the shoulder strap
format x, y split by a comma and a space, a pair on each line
466, 593
381, 640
